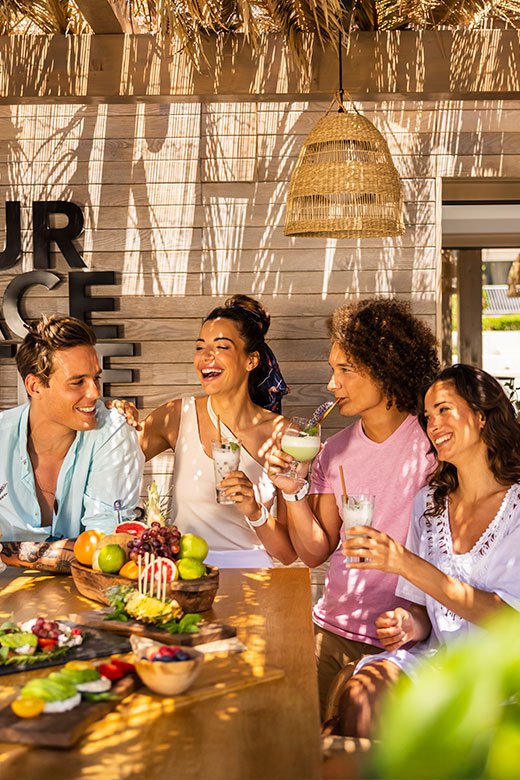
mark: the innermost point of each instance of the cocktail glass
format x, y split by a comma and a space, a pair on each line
226, 457
302, 441
358, 509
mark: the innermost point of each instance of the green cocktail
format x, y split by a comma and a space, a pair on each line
301, 441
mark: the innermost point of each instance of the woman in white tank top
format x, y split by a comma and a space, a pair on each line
243, 388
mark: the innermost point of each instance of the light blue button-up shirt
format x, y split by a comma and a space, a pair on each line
102, 465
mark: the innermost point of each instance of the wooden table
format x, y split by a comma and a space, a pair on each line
270, 730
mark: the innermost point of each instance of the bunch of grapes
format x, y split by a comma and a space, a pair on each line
46, 629
159, 539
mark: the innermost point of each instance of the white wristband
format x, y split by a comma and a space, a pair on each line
299, 495
262, 520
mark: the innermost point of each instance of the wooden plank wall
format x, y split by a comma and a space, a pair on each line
185, 200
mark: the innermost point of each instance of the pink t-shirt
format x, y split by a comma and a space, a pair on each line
394, 471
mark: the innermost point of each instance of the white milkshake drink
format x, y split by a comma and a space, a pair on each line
226, 457
358, 509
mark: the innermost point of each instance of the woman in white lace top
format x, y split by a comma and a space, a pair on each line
462, 555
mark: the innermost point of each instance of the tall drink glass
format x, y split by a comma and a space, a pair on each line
302, 441
358, 509
226, 457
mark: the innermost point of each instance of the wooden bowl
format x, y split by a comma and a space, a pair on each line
192, 595
169, 679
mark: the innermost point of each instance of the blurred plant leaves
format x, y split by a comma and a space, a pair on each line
461, 718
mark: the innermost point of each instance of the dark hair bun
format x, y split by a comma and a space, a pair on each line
251, 305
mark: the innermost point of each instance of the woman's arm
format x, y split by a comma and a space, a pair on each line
386, 554
160, 429
273, 533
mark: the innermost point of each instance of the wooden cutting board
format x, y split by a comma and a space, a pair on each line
98, 644
61, 730
209, 632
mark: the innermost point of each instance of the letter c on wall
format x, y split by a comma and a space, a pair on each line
13, 297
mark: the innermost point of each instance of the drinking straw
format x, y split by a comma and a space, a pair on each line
165, 575
218, 430
327, 411
343, 484
146, 565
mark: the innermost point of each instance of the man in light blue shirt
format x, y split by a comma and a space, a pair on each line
65, 459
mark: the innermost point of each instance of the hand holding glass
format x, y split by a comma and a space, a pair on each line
302, 441
358, 509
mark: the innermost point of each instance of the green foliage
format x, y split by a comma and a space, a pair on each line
504, 322
460, 719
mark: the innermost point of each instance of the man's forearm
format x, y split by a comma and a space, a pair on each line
53, 557
308, 538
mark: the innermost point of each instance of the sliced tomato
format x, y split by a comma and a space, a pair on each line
111, 671
47, 644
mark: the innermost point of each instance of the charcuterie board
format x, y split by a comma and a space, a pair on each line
97, 644
209, 632
62, 730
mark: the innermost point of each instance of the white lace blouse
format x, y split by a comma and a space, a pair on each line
492, 564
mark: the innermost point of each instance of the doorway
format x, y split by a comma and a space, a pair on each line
481, 243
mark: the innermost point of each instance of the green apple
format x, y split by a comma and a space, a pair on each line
193, 546
191, 569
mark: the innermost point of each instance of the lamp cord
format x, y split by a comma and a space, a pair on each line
341, 108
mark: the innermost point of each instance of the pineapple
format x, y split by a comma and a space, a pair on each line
155, 506
151, 610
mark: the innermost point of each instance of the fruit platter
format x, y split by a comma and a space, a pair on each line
151, 549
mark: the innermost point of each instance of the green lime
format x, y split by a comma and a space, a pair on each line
111, 558
190, 569
193, 546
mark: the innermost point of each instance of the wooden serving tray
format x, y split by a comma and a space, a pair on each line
209, 632
62, 730
192, 595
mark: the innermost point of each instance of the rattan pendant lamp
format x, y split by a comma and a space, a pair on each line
345, 184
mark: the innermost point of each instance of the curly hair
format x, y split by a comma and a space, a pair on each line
384, 339
501, 431
47, 336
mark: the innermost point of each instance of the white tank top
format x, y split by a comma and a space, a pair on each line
194, 499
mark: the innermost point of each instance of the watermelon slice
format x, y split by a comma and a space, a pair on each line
133, 527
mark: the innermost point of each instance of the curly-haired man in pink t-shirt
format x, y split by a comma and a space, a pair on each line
381, 357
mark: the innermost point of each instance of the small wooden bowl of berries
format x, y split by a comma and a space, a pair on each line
165, 669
